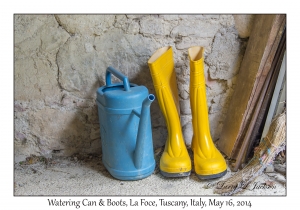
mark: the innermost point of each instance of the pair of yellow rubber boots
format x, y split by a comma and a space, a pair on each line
175, 160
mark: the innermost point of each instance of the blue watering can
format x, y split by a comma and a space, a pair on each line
125, 128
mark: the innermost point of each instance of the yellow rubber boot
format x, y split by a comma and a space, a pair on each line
208, 161
175, 160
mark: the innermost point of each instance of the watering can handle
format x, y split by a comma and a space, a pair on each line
110, 70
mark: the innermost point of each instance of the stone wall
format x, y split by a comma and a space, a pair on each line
60, 61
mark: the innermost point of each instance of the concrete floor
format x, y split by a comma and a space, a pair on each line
86, 176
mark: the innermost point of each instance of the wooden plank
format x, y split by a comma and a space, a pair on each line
262, 104
235, 166
271, 96
261, 80
263, 109
260, 43
261, 118
281, 104
275, 98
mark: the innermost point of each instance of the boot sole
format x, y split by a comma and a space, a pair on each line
166, 174
213, 176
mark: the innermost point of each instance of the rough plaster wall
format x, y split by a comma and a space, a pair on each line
60, 61
243, 24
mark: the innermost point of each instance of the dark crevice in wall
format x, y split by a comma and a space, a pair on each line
56, 56
58, 71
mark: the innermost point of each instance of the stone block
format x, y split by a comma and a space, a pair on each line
187, 132
86, 24
155, 26
187, 42
133, 28
63, 131
185, 119
37, 33
200, 29
226, 21
185, 107
170, 17
226, 56
34, 79
26, 26
77, 64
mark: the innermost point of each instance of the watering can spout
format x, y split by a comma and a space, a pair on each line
143, 134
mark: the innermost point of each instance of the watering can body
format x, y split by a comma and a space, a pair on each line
125, 128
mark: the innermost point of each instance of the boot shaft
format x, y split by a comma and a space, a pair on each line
198, 100
196, 58
161, 66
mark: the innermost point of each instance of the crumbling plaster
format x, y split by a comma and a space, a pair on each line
60, 61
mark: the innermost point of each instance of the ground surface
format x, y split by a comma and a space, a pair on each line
86, 175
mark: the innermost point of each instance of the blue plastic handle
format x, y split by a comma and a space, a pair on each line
110, 70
